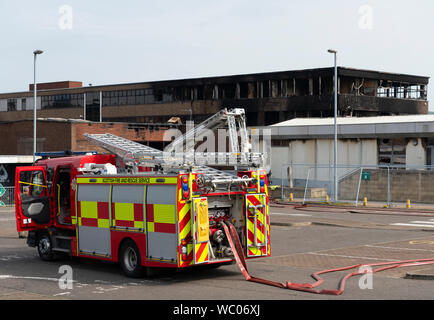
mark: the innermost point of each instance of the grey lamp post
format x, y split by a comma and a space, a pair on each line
35, 53
335, 145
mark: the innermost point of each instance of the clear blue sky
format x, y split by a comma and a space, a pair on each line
109, 42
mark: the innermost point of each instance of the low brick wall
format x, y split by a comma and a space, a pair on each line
298, 192
416, 185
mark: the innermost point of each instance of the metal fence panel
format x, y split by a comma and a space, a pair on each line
8, 197
388, 184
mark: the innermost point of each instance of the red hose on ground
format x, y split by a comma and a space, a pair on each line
236, 247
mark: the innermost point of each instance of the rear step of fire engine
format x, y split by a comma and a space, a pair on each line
62, 250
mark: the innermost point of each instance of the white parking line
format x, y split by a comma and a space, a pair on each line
346, 256
430, 222
395, 248
413, 225
418, 223
62, 294
7, 276
291, 214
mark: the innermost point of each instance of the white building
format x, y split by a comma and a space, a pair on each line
303, 143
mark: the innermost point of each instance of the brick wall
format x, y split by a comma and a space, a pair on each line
416, 185
18, 137
66, 135
79, 142
56, 85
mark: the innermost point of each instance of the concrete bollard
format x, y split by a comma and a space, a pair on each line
365, 202
408, 206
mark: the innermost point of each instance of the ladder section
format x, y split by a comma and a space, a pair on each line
124, 148
213, 178
138, 154
223, 118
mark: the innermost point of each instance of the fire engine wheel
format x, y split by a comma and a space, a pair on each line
129, 259
45, 248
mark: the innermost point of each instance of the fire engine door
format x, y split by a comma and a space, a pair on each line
200, 230
256, 224
62, 192
32, 204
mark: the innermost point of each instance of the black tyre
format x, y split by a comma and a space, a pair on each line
45, 247
129, 259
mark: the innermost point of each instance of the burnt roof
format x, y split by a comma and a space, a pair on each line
264, 76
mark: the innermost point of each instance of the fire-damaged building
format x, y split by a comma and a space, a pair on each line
267, 97
143, 111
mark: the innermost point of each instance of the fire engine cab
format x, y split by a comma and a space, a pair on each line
144, 207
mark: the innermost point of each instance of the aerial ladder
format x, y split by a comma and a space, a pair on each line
180, 155
239, 155
219, 120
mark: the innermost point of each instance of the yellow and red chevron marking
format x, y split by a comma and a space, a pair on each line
268, 230
201, 252
261, 226
184, 220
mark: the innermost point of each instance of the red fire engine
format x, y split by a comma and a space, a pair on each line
143, 207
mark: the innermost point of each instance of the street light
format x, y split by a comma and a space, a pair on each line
335, 151
35, 53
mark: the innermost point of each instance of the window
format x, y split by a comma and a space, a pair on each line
92, 106
24, 104
106, 98
114, 98
50, 175
228, 90
244, 90
149, 96
12, 104
392, 151
159, 95
32, 184
122, 97
280, 143
140, 96
131, 97
401, 91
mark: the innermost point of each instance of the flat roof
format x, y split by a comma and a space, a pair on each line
355, 127
273, 75
356, 120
